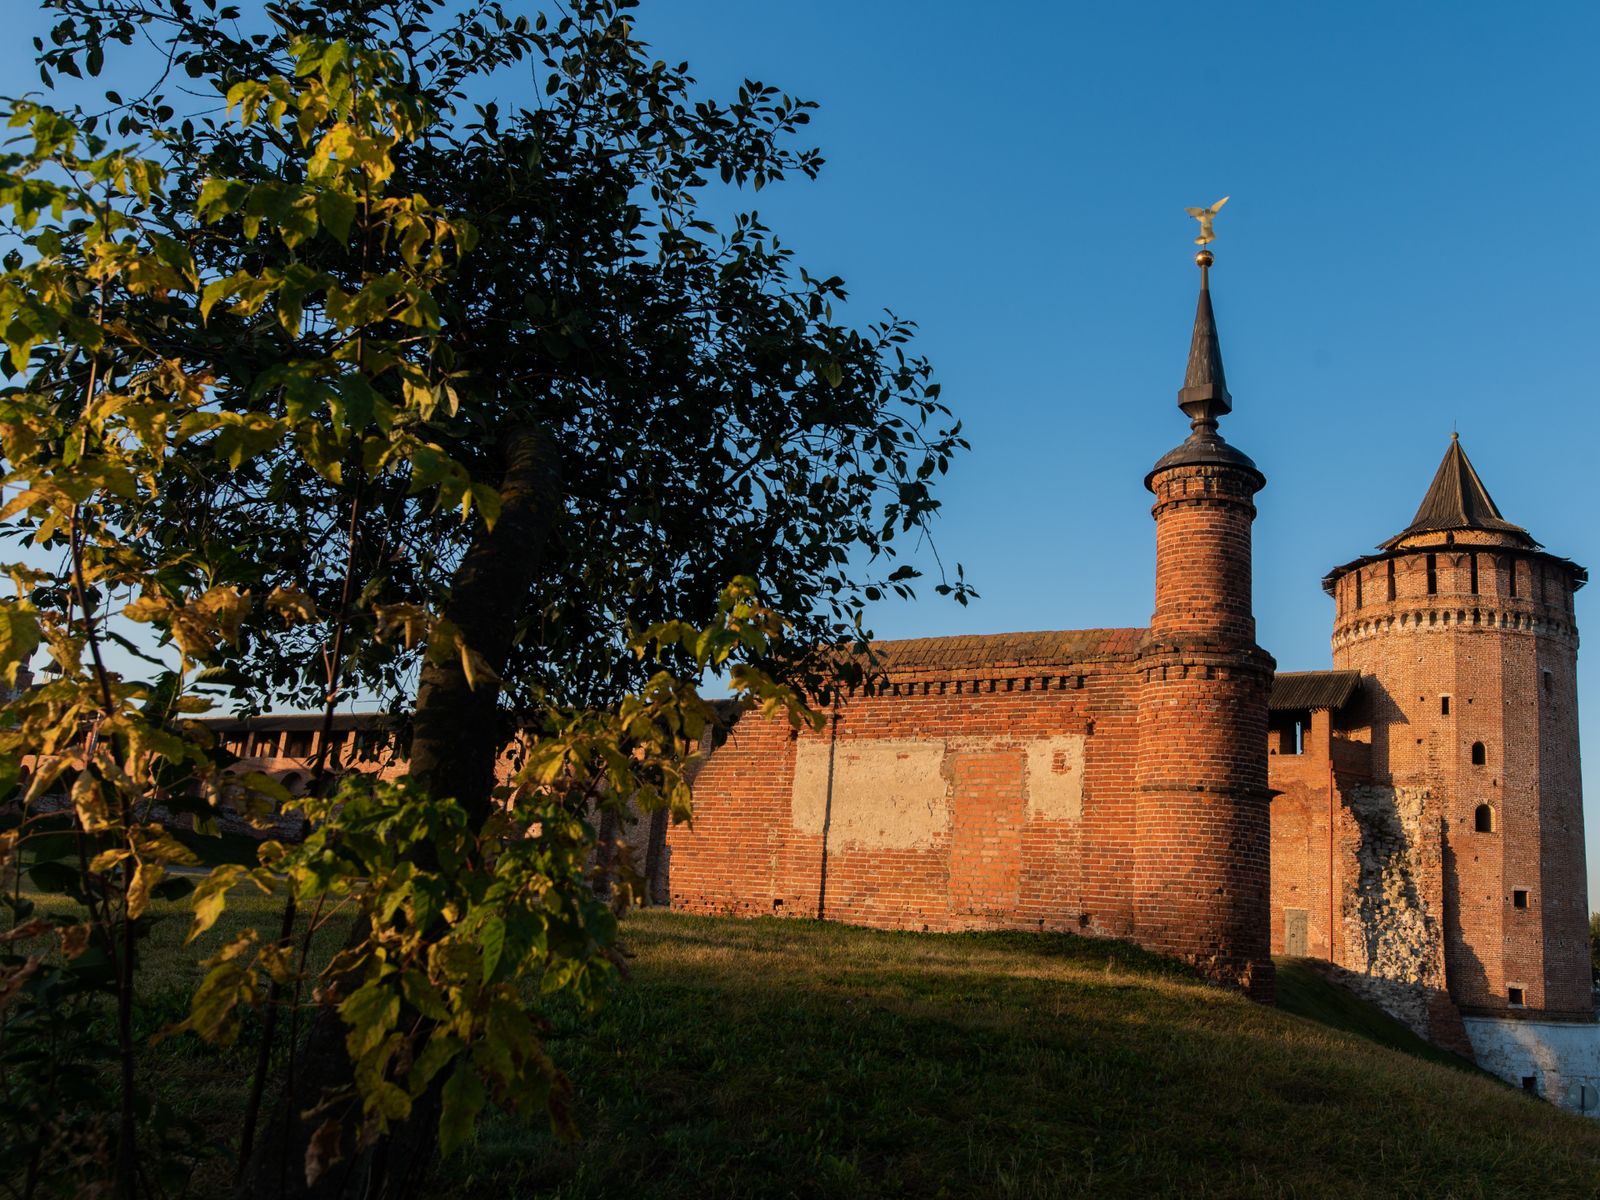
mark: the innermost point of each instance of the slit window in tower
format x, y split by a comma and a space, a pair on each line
1479, 756
1483, 819
1472, 581
1511, 576
1549, 683
1519, 898
1444, 706
1514, 998
1433, 574
1358, 589
1391, 579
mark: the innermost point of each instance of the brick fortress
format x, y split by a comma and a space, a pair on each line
1413, 817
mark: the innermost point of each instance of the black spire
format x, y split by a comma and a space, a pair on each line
1204, 395
1457, 499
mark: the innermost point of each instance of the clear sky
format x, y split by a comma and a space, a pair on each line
1409, 247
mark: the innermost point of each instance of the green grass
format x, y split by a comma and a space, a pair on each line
790, 1059
1306, 992
769, 1058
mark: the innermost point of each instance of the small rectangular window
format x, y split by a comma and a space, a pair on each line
1519, 898
1433, 574
1530, 1083
1444, 706
1511, 576
1473, 573
1514, 996
1391, 579
1549, 684
1358, 589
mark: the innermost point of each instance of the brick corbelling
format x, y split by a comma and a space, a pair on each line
1416, 620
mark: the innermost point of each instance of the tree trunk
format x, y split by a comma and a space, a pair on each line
458, 733
655, 860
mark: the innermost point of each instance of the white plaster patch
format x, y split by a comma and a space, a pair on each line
1561, 1057
886, 793
1055, 778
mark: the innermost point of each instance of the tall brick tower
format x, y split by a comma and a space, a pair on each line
1463, 630
1201, 877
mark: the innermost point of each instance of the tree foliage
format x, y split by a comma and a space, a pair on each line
351, 382
710, 415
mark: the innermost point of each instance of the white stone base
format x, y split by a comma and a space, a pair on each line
1561, 1057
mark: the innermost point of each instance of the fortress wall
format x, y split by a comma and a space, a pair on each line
956, 800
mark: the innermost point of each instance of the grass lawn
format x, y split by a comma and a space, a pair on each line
785, 1058
773, 1058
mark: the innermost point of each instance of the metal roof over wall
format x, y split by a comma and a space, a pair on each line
1299, 690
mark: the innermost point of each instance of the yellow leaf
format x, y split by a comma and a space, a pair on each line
293, 604
145, 876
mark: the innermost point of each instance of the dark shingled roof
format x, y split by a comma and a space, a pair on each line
1457, 499
978, 652
1297, 690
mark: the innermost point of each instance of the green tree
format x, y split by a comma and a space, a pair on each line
479, 412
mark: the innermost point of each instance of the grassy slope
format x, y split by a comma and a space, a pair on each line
770, 1058
1305, 992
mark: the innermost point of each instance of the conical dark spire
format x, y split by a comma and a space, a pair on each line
1204, 395
1457, 499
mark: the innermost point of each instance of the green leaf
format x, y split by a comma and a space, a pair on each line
370, 1011
337, 210
55, 878
492, 940
463, 1100
421, 995
211, 898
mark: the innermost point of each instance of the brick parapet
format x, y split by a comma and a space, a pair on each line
1510, 588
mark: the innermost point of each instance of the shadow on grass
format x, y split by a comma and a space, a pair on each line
780, 1058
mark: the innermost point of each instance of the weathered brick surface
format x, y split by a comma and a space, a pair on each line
1106, 781
999, 852
1504, 653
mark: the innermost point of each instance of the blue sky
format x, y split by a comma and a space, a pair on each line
1409, 248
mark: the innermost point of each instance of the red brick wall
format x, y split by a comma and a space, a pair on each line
1306, 796
1167, 840
991, 863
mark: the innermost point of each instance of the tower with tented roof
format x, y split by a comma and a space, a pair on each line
1463, 630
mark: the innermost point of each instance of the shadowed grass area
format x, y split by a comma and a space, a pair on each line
790, 1059
1305, 992
773, 1058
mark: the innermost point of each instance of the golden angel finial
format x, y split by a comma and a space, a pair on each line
1205, 216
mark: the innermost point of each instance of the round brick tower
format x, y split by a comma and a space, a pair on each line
1463, 630
1201, 874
